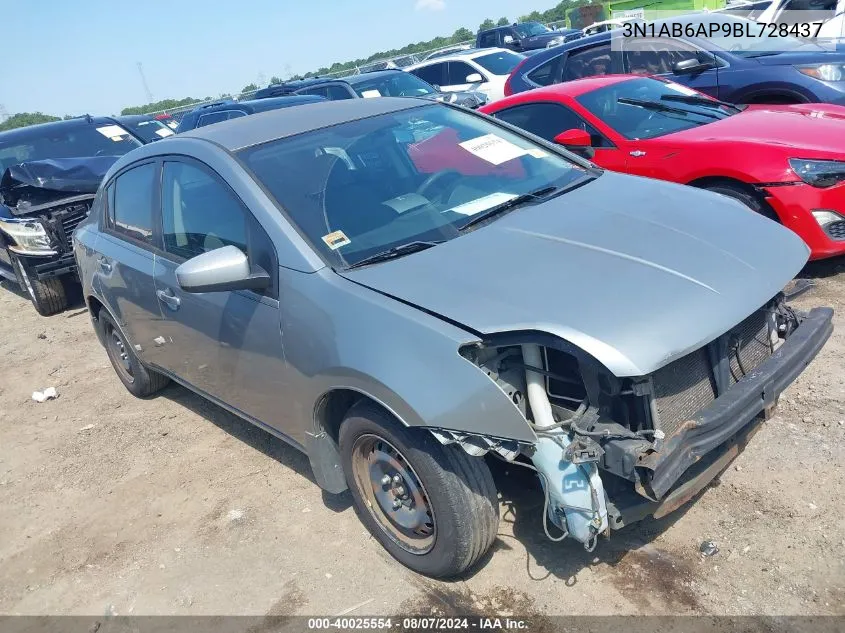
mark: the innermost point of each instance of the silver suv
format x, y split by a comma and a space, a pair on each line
399, 287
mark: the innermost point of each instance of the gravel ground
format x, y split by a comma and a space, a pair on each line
113, 505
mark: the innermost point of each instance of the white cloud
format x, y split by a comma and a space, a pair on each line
430, 5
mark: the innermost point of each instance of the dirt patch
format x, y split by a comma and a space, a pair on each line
652, 576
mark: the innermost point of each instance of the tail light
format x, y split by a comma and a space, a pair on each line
508, 86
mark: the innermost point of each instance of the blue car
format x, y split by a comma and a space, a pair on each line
735, 69
226, 109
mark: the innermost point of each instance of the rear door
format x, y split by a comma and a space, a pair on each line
227, 344
125, 261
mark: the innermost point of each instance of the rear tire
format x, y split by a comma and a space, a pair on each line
746, 197
140, 381
448, 516
47, 295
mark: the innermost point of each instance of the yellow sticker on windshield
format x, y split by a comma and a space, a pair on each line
336, 239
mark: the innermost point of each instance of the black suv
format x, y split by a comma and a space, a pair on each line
525, 36
218, 111
49, 174
379, 83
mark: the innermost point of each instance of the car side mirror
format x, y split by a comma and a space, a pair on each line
576, 141
474, 78
223, 269
692, 66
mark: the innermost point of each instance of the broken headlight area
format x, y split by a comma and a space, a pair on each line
604, 443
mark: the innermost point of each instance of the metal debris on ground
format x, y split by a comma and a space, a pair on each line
708, 548
48, 394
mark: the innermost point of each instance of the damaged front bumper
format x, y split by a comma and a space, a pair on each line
597, 474
740, 405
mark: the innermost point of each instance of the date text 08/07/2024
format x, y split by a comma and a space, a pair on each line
418, 623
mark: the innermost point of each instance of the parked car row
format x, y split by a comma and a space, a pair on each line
399, 283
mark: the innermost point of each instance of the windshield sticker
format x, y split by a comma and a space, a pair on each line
484, 203
165, 131
682, 89
538, 153
114, 132
369, 94
494, 149
336, 240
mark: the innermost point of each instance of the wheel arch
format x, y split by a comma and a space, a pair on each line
707, 182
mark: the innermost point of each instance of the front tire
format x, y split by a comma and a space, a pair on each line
140, 381
47, 295
432, 507
748, 198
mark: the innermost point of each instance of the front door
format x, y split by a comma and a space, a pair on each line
659, 56
226, 344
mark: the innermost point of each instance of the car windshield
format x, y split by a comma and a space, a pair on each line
77, 141
648, 108
151, 130
745, 38
396, 84
416, 175
527, 29
501, 63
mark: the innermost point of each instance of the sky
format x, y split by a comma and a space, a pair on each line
81, 56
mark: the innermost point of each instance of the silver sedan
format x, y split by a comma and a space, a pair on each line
400, 288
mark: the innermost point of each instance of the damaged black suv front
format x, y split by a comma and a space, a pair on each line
49, 174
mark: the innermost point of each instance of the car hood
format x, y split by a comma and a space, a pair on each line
633, 271
536, 41
37, 182
810, 129
467, 98
807, 54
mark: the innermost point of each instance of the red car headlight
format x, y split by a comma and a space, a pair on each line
818, 173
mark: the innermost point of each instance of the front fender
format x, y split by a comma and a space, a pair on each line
401, 357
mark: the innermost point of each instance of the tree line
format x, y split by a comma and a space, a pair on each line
556, 14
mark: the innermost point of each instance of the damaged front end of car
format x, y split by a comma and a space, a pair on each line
610, 451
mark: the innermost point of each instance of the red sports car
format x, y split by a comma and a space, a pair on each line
784, 161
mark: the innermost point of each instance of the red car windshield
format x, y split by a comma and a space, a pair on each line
648, 108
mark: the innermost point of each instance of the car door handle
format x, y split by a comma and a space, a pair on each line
637, 153
104, 264
168, 298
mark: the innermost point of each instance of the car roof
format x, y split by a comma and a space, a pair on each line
134, 118
471, 53
33, 131
237, 134
577, 87
354, 79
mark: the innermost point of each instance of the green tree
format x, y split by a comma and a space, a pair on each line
461, 35
487, 24
22, 119
249, 88
165, 104
275, 80
503, 22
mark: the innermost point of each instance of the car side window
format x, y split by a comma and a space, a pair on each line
548, 73
200, 213
337, 93
434, 74
588, 62
319, 91
489, 39
547, 120
131, 203
236, 114
458, 72
212, 117
656, 57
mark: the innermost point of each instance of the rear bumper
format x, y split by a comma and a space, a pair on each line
794, 203
729, 414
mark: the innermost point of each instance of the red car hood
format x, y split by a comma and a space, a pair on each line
815, 129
